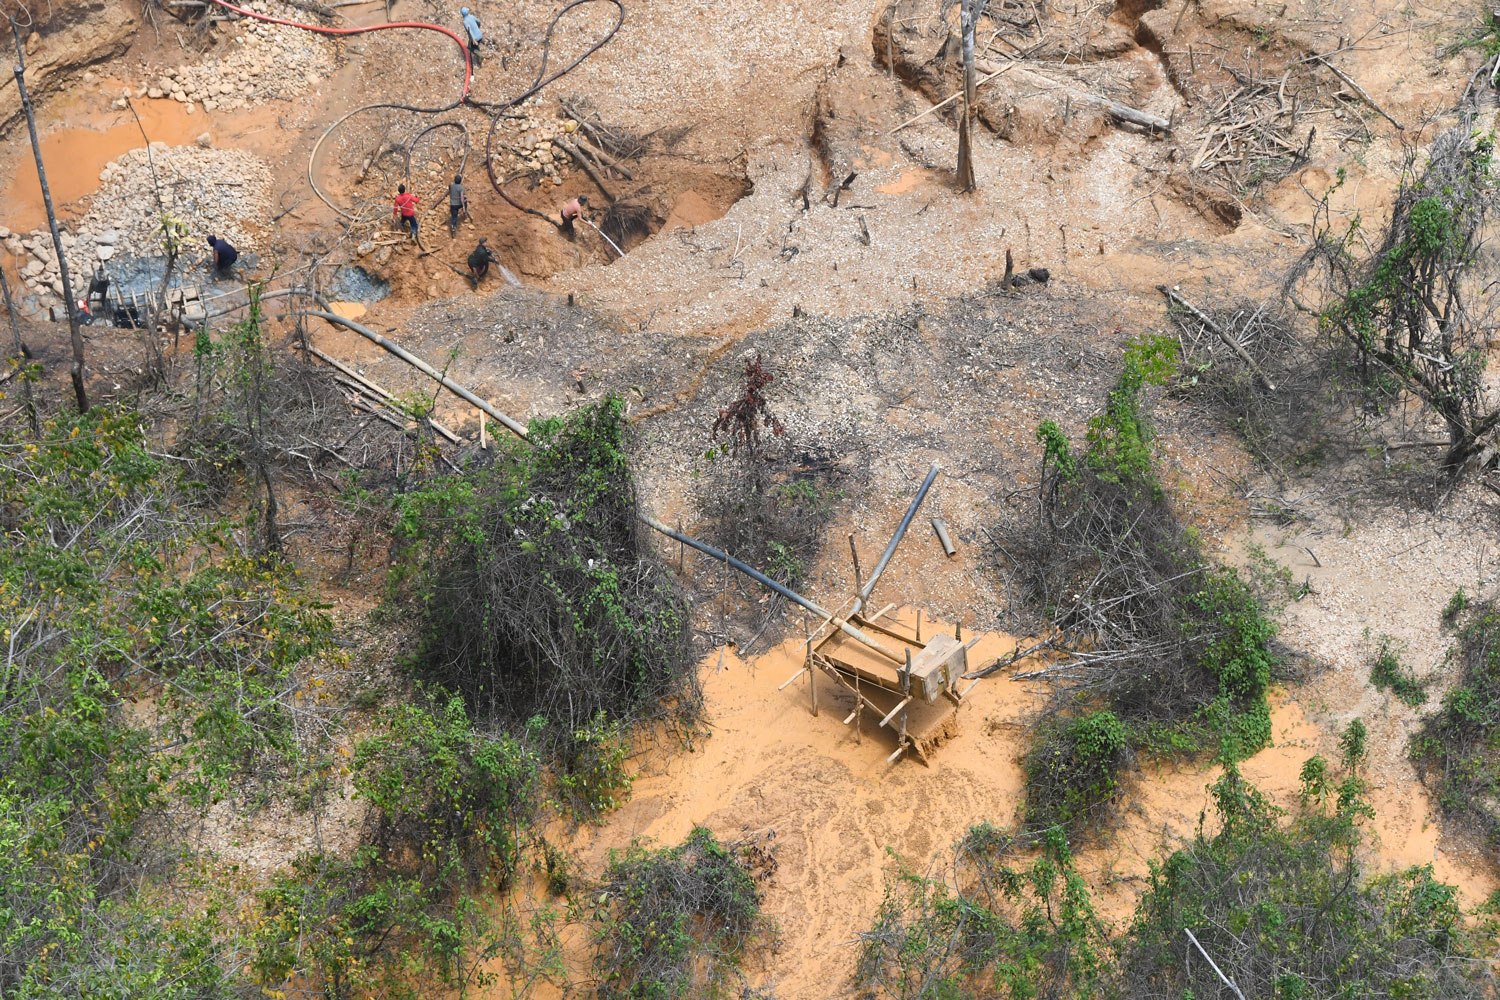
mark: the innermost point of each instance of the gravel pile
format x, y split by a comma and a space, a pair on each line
262, 62
218, 191
527, 143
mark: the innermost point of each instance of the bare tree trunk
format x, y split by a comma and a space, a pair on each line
62, 261
969, 13
20, 359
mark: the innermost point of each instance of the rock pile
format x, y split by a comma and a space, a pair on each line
261, 62
529, 148
218, 191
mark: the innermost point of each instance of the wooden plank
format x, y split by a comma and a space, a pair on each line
899, 706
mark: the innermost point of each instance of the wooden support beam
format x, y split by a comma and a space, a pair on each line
892, 713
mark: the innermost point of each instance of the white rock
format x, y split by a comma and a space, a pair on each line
4, 233
209, 104
88, 76
105, 252
155, 93
107, 236
189, 108
204, 139
119, 104
179, 96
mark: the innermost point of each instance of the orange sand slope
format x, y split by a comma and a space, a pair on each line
836, 806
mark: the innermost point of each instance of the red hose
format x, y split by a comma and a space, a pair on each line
462, 45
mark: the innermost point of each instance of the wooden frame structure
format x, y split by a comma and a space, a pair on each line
914, 692
916, 699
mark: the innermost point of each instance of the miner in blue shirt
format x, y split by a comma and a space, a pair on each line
475, 33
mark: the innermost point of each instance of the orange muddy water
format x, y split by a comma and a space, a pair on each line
76, 154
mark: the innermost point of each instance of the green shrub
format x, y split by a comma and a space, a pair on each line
1285, 908
453, 810
675, 922
594, 778
1175, 645
463, 802
1456, 606
1388, 673
1072, 770
117, 583
538, 593
999, 926
1457, 749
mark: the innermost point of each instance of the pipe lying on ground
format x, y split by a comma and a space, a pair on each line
447, 383
646, 519
942, 533
766, 581
890, 550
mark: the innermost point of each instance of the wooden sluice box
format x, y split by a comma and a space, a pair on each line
915, 697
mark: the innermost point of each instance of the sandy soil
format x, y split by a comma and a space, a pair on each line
894, 347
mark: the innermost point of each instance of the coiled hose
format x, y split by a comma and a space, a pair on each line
496, 110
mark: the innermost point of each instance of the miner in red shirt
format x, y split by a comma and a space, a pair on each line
406, 209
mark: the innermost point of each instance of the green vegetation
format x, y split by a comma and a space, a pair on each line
1173, 648
539, 598
1388, 673
1457, 605
1457, 750
453, 810
1412, 311
117, 585
1072, 769
675, 922
1282, 904
999, 926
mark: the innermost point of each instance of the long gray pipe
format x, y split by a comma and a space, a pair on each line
645, 519
766, 581
418, 364
890, 550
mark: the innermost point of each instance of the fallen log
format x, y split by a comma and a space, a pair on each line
1218, 331
1116, 110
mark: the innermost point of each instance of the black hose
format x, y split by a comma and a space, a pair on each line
496, 110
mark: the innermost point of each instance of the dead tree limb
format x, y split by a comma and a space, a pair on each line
1210, 325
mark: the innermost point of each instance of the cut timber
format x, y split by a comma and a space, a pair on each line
1218, 331
1116, 110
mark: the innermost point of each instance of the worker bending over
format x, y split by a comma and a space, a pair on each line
574, 210
480, 261
224, 254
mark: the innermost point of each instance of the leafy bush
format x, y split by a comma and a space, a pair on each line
675, 922
537, 592
1457, 749
999, 925
1388, 673
461, 802
1176, 646
452, 808
1286, 909
1072, 769
1282, 904
115, 583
